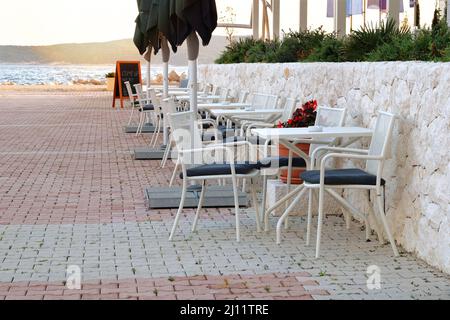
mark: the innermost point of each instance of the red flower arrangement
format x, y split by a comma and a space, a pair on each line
305, 116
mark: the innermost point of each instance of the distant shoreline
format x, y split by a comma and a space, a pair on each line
52, 88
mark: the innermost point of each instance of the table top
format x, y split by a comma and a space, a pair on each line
222, 105
302, 133
173, 93
243, 112
199, 97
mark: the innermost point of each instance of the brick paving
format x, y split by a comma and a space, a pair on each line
71, 194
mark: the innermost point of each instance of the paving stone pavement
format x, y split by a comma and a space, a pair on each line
71, 194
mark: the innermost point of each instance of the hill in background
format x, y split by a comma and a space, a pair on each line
101, 53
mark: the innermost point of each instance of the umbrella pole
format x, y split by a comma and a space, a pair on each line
149, 81
166, 79
193, 49
193, 83
166, 57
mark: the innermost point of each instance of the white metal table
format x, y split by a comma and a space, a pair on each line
187, 97
289, 136
173, 93
243, 114
223, 105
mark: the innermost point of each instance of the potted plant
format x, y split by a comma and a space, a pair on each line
305, 116
110, 79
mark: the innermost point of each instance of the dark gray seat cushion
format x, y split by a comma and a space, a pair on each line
220, 169
341, 177
148, 107
251, 139
226, 132
279, 162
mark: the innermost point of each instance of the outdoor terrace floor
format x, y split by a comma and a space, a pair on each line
71, 194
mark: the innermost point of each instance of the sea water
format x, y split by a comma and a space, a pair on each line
48, 74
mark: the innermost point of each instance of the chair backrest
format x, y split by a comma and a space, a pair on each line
289, 108
156, 101
380, 141
186, 134
259, 100
140, 95
129, 89
328, 117
243, 95
205, 87
224, 94
215, 91
272, 102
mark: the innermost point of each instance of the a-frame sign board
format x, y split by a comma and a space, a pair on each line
126, 71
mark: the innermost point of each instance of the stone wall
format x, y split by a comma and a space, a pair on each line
418, 173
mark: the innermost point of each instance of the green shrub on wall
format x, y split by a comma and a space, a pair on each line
384, 42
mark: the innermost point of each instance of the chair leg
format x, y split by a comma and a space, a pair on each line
255, 204
174, 173
374, 217
289, 182
155, 130
286, 222
166, 154
180, 209
278, 204
367, 226
236, 208
319, 223
139, 128
386, 226
155, 134
308, 225
264, 200
131, 115
286, 213
158, 132
347, 217
200, 205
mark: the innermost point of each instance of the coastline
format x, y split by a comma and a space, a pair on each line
53, 88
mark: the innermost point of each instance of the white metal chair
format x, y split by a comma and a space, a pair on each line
261, 101
146, 109
289, 106
169, 107
369, 179
214, 162
133, 100
157, 102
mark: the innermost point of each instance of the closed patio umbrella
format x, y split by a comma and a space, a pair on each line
146, 35
187, 18
147, 25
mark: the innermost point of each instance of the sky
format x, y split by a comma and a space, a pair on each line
45, 22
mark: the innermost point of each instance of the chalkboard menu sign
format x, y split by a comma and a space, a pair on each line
126, 71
